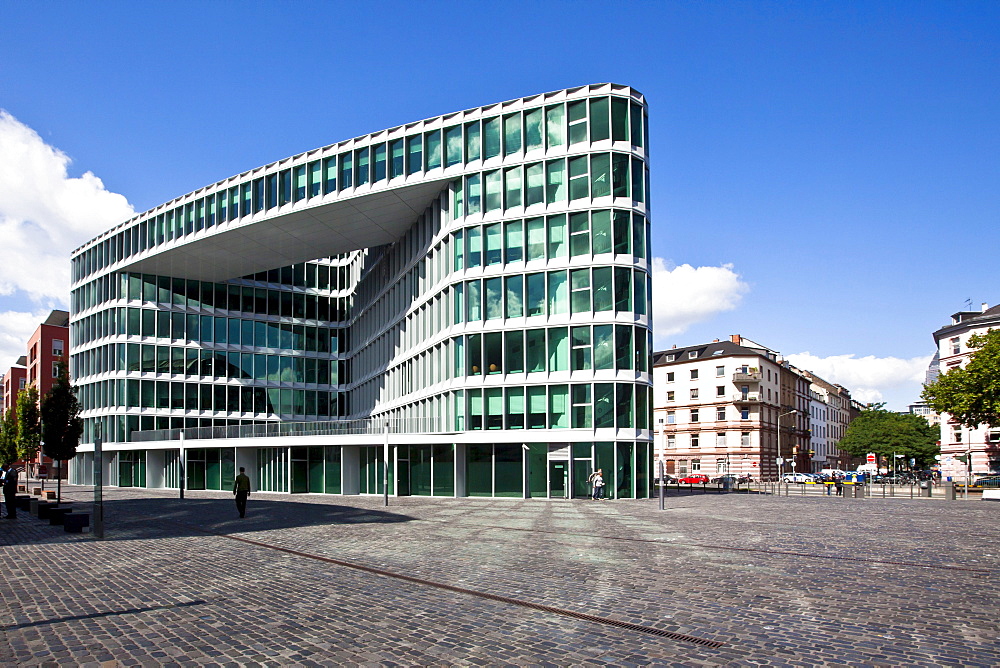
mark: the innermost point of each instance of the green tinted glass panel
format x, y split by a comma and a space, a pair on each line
600, 175
619, 119
513, 241
555, 173
472, 141
555, 125
604, 347
432, 149
511, 133
514, 351
491, 138
600, 122
453, 145
479, 470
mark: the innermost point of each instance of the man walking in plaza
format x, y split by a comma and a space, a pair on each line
10, 490
241, 489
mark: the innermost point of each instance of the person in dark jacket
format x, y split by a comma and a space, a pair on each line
241, 489
10, 490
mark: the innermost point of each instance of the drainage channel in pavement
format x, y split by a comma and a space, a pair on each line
628, 626
638, 628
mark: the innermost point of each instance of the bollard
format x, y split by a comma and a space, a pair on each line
949, 491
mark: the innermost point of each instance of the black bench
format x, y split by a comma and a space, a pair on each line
56, 515
75, 522
45, 508
33, 506
23, 502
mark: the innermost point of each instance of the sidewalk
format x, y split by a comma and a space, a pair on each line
328, 580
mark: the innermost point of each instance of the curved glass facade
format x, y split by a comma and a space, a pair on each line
500, 314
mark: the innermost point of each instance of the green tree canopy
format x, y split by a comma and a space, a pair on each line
61, 423
887, 433
971, 394
8, 436
29, 429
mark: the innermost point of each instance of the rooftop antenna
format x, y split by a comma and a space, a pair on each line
968, 304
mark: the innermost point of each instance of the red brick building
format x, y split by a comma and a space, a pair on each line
47, 346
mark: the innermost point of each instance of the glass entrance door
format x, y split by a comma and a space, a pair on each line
558, 479
403, 471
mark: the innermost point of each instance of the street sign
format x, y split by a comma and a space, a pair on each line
779, 461
871, 457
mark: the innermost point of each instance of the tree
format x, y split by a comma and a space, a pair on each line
971, 394
887, 433
61, 422
8, 436
29, 428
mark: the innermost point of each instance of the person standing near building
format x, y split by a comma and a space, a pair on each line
598, 483
10, 490
241, 489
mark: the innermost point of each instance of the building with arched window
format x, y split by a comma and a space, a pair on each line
458, 306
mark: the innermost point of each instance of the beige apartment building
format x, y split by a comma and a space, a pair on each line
981, 446
717, 408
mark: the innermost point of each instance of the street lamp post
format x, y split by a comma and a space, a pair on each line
781, 461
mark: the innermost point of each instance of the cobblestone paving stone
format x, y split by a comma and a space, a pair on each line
779, 581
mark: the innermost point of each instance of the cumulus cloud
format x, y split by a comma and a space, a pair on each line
45, 213
15, 328
870, 379
686, 295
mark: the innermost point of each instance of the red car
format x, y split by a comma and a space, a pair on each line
695, 479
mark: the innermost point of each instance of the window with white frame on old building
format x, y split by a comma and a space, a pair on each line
695, 441
720, 371
744, 413
720, 439
57, 347
745, 439
720, 390
670, 376
671, 417
671, 441
695, 465
694, 415
694, 393
720, 413
956, 346
694, 374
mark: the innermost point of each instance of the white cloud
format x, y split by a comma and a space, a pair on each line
686, 295
15, 328
870, 379
45, 214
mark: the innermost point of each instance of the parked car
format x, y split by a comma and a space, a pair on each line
667, 478
727, 476
694, 479
800, 478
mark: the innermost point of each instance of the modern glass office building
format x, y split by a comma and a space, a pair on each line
468, 295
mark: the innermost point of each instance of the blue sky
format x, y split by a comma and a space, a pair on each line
824, 174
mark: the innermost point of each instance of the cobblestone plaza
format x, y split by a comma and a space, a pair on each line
318, 580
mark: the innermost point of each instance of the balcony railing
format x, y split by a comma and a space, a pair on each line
747, 377
366, 426
749, 398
